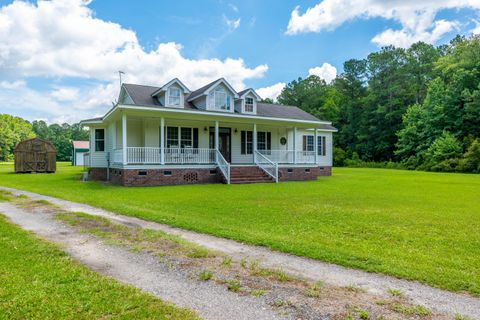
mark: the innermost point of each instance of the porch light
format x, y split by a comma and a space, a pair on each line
236, 130
205, 129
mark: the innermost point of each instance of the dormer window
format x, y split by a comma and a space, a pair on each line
220, 99
248, 104
174, 96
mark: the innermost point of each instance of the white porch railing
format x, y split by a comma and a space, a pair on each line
223, 165
151, 155
289, 156
267, 165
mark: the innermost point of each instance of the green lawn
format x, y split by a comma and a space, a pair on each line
39, 281
414, 225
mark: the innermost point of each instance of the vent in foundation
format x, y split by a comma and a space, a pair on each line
322, 168
142, 173
167, 173
213, 171
307, 170
290, 170
190, 177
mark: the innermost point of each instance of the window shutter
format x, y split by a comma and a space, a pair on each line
304, 144
269, 140
243, 142
324, 146
195, 137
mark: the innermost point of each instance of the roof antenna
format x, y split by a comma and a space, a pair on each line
120, 76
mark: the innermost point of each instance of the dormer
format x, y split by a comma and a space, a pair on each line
216, 96
247, 102
124, 97
172, 94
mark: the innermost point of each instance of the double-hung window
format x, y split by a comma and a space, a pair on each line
264, 141
99, 139
308, 143
321, 145
246, 142
181, 137
172, 137
248, 104
174, 96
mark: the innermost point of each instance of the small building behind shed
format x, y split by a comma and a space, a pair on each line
80, 148
35, 155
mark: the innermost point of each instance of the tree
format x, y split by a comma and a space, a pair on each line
12, 130
444, 148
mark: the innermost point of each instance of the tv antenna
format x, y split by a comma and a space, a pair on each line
120, 76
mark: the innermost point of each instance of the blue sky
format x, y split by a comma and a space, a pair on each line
60, 57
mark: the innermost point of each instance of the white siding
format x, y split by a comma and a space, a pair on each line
97, 159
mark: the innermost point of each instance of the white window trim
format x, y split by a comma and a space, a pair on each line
212, 99
167, 99
244, 103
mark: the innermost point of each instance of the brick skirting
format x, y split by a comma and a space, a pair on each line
157, 177
303, 173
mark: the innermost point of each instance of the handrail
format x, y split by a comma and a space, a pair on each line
223, 165
267, 165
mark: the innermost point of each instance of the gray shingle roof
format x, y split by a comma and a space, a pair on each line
141, 96
202, 89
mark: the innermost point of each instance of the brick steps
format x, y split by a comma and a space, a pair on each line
240, 175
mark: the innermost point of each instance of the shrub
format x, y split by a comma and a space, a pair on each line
339, 157
471, 158
443, 148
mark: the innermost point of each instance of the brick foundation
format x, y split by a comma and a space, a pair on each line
97, 174
303, 173
156, 177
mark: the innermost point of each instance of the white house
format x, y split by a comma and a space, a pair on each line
171, 135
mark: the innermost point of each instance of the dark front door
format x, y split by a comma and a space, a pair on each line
224, 142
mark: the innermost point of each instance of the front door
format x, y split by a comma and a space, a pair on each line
224, 142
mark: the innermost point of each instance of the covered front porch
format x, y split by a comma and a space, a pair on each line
166, 141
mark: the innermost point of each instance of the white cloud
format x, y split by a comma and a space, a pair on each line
232, 24
63, 38
65, 94
326, 72
476, 30
12, 85
417, 18
271, 92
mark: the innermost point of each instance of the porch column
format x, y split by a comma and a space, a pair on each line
114, 138
216, 140
315, 144
162, 140
254, 143
124, 138
295, 145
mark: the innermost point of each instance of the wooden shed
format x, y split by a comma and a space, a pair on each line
35, 155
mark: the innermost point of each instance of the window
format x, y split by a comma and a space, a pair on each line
264, 140
220, 99
308, 143
321, 145
183, 137
246, 142
99, 139
174, 96
172, 137
248, 104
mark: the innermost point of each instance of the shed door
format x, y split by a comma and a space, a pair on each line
79, 158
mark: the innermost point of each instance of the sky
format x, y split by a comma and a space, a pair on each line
59, 59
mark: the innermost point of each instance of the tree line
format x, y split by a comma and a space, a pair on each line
415, 108
15, 129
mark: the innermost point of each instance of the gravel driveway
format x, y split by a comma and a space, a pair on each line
313, 270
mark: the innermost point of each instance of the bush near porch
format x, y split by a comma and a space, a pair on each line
413, 225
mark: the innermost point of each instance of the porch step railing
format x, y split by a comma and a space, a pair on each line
267, 165
223, 165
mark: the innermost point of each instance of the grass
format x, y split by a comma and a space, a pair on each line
205, 275
413, 225
39, 281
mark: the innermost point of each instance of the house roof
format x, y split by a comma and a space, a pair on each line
141, 95
81, 144
168, 84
